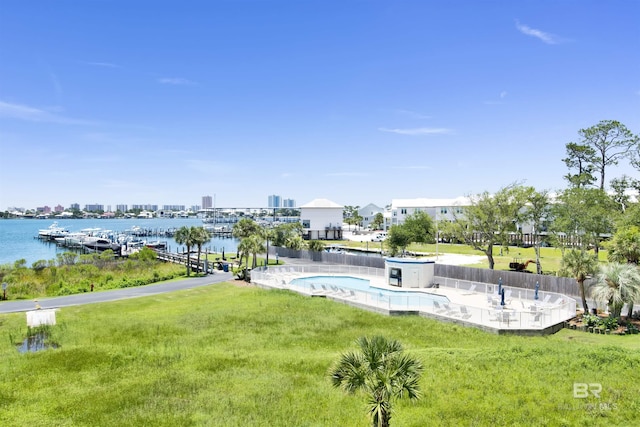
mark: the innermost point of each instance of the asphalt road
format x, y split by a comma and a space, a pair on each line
113, 295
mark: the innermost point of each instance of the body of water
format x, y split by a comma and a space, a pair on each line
19, 237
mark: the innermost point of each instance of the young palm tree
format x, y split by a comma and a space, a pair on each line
186, 236
580, 265
383, 371
617, 285
201, 236
255, 246
316, 245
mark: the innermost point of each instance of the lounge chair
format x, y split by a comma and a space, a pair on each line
536, 319
315, 290
546, 300
464, 312
471, 290
505, 316
444, 309
438, 308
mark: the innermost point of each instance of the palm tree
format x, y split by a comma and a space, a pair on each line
247, 246
617, 285
316, 245
244, 250
201, 236
580, 265
255, 245
295, 242
186, 236
245, 228
383, 371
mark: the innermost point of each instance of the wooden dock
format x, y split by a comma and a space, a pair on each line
205, 265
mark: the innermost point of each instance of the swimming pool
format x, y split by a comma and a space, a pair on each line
363, 286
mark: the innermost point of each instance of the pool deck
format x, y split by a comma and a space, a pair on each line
521, 314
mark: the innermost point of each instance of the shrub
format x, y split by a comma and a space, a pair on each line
590, 320
609, 323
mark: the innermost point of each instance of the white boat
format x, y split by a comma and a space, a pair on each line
54, 231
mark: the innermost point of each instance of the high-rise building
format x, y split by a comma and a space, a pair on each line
207, 202
122, 208
288, 203
94, 208
147, 207
172, 207
275, 201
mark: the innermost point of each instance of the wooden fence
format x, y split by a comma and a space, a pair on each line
561, 285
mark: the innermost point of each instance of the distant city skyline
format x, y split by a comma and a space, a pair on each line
359, 102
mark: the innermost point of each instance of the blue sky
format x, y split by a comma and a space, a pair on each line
162, 102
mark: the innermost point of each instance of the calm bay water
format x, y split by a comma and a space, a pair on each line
19, 237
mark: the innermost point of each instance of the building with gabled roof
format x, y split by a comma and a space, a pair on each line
321, 220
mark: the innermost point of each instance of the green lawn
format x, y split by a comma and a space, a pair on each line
550, 258
225, 355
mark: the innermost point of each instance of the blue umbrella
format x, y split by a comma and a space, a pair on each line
536, 294
499, 285
502, 297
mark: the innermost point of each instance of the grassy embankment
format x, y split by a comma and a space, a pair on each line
78, 274
226, 355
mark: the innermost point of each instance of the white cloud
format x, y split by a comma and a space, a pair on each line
417, 131
503, 94
541, 35
175, 81
286, 175
24, 112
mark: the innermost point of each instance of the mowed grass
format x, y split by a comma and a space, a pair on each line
550, 258
226, 355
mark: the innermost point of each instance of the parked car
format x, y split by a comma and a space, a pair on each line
379, 237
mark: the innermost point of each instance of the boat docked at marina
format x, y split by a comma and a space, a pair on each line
53, 232
100, 244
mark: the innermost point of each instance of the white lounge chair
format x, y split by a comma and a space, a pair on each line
471, 290
536, 319
545, 300
444, 309
315, 290
464, 312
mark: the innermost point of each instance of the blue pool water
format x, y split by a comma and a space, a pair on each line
363, 285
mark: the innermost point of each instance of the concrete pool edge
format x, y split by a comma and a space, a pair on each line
517, 327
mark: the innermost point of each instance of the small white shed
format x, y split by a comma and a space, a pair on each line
409, 272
